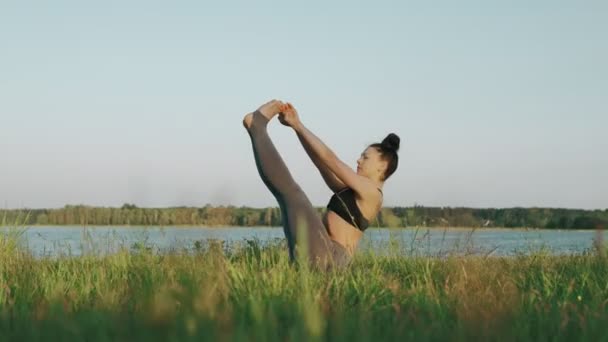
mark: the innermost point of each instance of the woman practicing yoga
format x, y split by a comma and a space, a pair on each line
357, 199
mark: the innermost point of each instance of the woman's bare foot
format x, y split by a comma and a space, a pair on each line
268, 109
247, 120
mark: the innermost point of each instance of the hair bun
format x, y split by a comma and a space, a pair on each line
391, 142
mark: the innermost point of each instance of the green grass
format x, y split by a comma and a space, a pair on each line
254, 294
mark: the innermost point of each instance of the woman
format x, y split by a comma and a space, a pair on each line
357, 199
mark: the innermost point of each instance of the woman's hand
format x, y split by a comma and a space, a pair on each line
288, 116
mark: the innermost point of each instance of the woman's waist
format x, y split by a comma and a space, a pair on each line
341, 231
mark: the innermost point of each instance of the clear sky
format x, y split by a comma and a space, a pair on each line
498, 103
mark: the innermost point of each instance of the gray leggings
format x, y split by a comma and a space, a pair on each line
302, 224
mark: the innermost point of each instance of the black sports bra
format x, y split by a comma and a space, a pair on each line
344, 203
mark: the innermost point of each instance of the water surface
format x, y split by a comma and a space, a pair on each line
74, 241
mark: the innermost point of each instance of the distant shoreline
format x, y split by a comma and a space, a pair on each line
279, 227
231, 216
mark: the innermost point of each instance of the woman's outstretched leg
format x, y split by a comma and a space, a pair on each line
301, 222
270, 165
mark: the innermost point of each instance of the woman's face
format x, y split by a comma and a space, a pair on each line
370, 164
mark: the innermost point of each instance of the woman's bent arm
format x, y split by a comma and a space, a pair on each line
328, 158
330, 178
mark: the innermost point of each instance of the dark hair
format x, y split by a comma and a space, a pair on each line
388, 148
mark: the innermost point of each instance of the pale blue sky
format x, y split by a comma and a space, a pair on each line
498, 104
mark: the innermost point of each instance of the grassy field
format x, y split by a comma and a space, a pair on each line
254, 294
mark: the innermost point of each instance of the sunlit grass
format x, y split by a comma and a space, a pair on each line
210, 292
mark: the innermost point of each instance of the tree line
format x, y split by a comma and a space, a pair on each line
416, 216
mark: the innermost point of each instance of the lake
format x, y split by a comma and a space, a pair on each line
74, 241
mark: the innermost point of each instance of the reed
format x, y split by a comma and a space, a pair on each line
251, 292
